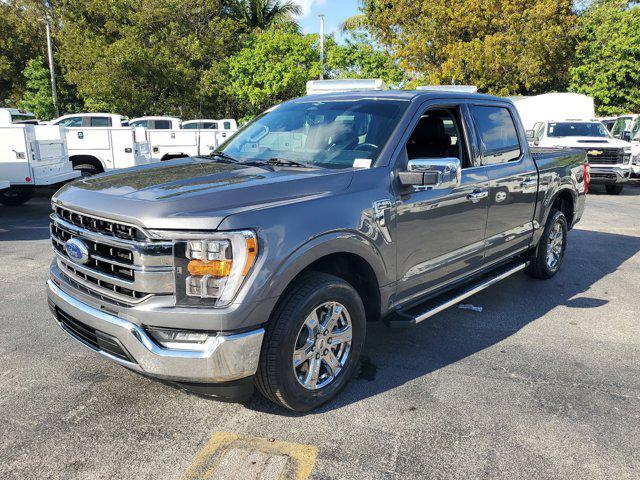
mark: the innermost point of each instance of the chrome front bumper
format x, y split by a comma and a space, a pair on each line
226, 357
604, 175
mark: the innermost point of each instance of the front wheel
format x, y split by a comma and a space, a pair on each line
313, 343
549, 255
614, 189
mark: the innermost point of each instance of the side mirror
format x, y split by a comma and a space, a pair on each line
626, 136
530, 134
432, 173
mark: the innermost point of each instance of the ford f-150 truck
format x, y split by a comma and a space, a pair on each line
262, 263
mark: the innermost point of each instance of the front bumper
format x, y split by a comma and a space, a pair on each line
226, 358
607, 175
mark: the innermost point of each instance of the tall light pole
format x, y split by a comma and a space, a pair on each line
52, 72
321, 46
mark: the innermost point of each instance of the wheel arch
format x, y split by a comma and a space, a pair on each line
87, 160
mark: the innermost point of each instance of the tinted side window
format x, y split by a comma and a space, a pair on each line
226, 125
209, 125
190, 126
162, 125
71, 122
498, 134
100, 122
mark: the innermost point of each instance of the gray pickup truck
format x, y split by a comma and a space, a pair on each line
262, 264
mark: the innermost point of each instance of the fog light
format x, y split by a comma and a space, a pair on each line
180, 339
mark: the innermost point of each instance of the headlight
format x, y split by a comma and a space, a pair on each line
627, 155
210, 269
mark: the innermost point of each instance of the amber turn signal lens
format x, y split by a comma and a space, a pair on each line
215, 268
252, 251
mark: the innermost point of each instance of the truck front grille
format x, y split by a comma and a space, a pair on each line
121, 269
605, 155
94, 339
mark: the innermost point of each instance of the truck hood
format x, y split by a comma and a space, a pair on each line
195, 193
585, 142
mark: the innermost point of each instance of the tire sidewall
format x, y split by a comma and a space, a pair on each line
555, 218
294, 394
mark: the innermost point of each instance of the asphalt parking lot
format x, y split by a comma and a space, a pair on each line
543, 383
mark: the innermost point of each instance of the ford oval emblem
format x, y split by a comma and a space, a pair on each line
77, 251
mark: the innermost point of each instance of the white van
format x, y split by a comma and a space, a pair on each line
99, 142
31, 156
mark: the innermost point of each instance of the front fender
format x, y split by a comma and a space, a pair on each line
321, 246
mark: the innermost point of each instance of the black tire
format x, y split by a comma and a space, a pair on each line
275, 377
14, 196
87, 170
614, 189
538, 267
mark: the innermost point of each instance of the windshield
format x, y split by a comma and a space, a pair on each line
620, 126
577, 129
330, 134
635, 129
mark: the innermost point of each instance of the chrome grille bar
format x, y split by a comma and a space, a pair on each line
123, 269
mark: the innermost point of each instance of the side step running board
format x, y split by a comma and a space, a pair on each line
419, 313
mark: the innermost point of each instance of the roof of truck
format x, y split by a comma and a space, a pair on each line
407, 95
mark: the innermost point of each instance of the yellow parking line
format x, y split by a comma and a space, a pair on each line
301, 458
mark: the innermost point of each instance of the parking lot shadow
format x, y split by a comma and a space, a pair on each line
393, 358
26, 222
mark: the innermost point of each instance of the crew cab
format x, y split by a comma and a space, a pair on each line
91, 120
31, 156
609, 157
262, 263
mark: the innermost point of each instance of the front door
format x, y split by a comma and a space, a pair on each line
441, 232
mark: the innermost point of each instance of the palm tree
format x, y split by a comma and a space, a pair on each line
262, 13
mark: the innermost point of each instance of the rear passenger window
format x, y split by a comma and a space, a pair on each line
210, 126
162, 125
100, 122
498, 134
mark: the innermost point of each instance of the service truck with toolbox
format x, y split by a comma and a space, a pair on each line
32, 156
262, 263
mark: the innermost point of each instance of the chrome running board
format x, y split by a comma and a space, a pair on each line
414, 315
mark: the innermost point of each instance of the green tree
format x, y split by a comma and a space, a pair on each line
273, 67
502, 46
21, 39
139, 57
262, 13
608, 57
359, 57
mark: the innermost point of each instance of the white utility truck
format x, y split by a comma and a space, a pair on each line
553, 106
98, 142
31, 156
627, 127
177, 142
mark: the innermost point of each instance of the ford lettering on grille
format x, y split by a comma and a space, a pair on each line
77, 251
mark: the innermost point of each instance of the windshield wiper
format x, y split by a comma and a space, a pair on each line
283, 162
223, 156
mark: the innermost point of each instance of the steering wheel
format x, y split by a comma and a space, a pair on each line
366, 146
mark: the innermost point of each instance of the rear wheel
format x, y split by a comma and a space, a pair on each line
614, 189
87, 170
14, 196
313, 343
550, 252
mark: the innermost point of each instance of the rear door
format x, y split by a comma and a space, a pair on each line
440, 233
513, 180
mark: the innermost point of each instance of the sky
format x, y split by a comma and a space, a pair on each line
335, 11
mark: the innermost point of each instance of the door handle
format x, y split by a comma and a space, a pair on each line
477, 195
529, 183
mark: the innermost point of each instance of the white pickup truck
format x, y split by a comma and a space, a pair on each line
31, 156
99, 142
609, 157
170, 138
627, 127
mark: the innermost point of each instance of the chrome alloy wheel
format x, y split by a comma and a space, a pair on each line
555, 244
322, 346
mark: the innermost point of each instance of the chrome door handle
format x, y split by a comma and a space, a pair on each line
475, 197
529, 183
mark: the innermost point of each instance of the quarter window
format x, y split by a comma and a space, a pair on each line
162, 125
100, 122
498, 134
